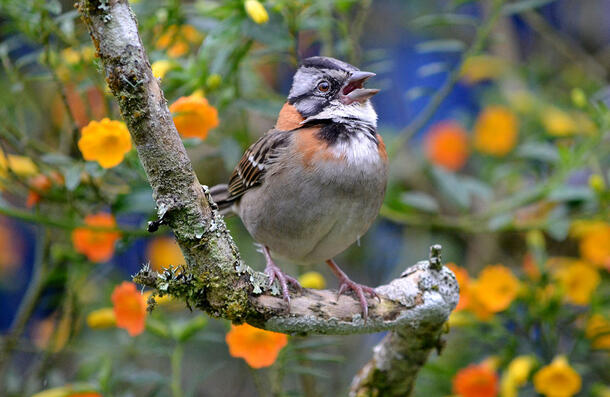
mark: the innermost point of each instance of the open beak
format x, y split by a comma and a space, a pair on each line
353, 90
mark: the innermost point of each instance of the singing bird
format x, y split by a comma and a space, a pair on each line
313, 185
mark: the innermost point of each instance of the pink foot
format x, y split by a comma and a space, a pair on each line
347, 283
273, 271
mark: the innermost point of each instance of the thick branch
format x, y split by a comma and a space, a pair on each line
216, 280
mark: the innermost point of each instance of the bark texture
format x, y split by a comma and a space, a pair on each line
415, 306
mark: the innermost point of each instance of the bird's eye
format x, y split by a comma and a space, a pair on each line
323, 86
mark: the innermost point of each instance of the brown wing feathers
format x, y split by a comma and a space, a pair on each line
253, 165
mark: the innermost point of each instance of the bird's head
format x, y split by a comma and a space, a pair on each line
328, 89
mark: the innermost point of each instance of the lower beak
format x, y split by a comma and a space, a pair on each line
361, 94
353, 90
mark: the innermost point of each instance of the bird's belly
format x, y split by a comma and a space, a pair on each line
317, 217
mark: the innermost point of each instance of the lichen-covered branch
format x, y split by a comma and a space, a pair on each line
415, 305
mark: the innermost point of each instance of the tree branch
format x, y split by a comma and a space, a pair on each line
216, 280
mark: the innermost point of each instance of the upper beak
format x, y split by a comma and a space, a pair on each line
353, 91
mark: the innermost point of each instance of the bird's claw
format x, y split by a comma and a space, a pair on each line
360, 290
274, 273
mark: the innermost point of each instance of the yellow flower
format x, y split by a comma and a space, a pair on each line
105, 141
516, 375
519, 369
194, 116
101, 318
495, 289
70, 56
87, 53
481, 67
163, 252
160, 68
594, 241
20, 165
558, 122
312, 280
597, 183
578, 281
496, 131
256, 11
598, 330
558, 379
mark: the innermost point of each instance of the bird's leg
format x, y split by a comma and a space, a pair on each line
273, 271
347, 283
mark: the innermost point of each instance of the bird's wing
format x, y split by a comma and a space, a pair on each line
251, 169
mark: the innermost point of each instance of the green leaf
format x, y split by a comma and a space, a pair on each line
56, 159
184, 331
477, 188
319, 373
443, 19
72, 176
157, 327
432, 69
559, 228
324, 357
571, 193
417, 92
452, 187
445, 45
546, 152
421, 201
524, 5
500, 221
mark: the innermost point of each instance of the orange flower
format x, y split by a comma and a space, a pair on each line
496, 131
52, 332
476, 380
194, 116
594, 242
178, 39
163, 252
11, 248
446, 144
258, 347
40, 184
98, 246
129, 308
530, 267
495, 289
106, 141
598, 330
68, 391
463, 279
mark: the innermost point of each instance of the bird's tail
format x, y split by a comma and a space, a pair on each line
220, 195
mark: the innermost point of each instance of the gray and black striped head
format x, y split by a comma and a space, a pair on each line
327, 88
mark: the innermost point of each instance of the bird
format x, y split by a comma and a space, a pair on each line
313, 185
